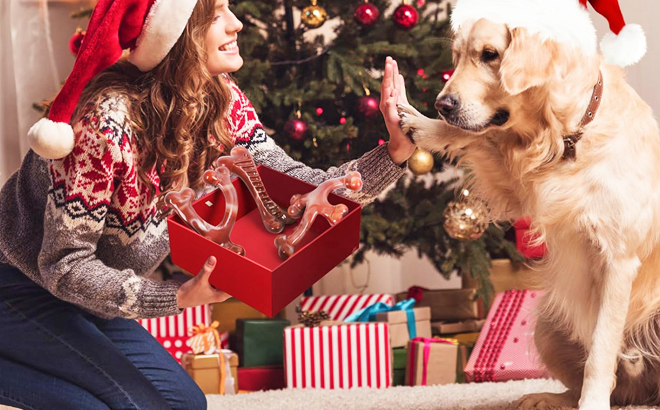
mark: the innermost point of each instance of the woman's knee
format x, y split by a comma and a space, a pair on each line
188, 396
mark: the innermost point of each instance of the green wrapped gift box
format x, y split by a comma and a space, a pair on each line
399, 366
260, 342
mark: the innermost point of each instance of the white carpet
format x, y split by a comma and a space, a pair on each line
475, 396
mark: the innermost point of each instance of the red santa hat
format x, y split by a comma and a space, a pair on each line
564, 21
149, 28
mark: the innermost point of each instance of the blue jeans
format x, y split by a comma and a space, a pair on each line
55, 356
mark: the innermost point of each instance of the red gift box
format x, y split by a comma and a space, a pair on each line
339, 307
525, 240
172, 331
261, 279
338, 356
261, 378
505, 349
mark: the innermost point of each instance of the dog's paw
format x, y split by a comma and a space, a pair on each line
595, 404
546, 401
408, 116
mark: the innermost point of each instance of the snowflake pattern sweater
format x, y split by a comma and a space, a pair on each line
83, 227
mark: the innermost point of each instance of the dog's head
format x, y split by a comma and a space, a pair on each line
501, 74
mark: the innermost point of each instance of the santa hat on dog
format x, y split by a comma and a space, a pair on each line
149, 28
564, 21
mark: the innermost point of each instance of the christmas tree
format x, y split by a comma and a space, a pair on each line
317, 98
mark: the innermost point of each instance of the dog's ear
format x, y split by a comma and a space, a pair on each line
527, 62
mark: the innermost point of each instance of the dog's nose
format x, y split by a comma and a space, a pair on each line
447, 104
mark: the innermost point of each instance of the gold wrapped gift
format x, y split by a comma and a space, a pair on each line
213, 373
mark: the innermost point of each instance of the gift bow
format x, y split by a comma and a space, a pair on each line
416, 292
427, 350
201, 333
368, 314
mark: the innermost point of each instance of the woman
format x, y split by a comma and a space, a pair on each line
79, 232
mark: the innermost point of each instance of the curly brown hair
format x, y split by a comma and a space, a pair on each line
176, 110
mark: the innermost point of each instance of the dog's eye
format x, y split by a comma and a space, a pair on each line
489, 55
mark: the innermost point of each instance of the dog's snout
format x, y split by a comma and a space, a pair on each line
447, 104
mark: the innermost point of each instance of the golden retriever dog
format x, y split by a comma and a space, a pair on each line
511, 114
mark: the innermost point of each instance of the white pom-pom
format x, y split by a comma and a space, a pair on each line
51, 140
624, 49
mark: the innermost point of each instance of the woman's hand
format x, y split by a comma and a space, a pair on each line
393, 92
198, 291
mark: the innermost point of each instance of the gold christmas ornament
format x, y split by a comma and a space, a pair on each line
466, 218
420, 162
314, 16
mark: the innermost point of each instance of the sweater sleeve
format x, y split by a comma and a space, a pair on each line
76, 216
376, 166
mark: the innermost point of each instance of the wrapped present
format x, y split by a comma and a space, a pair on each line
505, 349
228, 311
204, 339
261, 378
399, 366
526, 241
260, 342
431, 361
405, 322
214, 373
260, 278
173, 331
464, 326
338, 356
445, 304
339, 307
506, 275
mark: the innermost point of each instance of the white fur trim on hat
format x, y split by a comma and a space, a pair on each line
52, 140
164, 25
564, 21
626, 48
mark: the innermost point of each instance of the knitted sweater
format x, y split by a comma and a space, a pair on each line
84, 228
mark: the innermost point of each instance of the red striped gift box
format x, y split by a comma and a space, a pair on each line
339, 307
338, 357
172, 331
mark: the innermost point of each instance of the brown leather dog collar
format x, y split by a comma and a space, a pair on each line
571, 140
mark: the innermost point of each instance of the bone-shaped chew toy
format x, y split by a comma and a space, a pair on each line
181, 202
240, 162
315, 203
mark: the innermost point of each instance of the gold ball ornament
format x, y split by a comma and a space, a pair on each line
314, 16
466, 218
420, 162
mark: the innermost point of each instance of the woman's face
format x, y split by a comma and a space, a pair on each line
221, 46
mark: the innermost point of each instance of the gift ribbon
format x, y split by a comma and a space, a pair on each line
368, 314
427, 351
222, 362
226, 378
201, 331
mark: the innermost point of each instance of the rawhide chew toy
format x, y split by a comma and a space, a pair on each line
240, 162
315, 203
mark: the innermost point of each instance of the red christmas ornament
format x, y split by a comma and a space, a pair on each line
296, 129
319, 111
405, 17
342, 120
368, 106
366, 14
76, 41
446, 75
